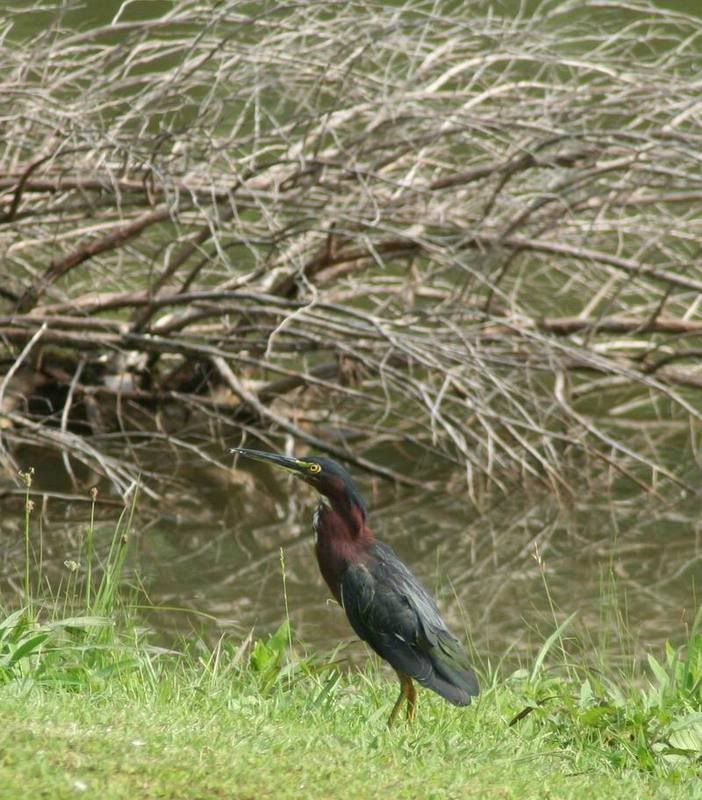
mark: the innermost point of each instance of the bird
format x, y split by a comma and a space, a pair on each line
386, 605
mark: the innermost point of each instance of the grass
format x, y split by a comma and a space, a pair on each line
90, 708
180, 731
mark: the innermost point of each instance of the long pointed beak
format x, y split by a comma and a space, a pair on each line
286, 462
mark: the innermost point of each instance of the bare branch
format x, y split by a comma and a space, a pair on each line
462, 243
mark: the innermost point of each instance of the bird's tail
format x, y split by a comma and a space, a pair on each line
452, 676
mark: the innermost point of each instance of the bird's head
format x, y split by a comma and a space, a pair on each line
328, 478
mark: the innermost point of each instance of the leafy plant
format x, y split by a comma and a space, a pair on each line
266, 657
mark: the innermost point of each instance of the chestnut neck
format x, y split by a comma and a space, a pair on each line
342, 538
350, 516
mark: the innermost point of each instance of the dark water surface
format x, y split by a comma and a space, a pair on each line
209, 560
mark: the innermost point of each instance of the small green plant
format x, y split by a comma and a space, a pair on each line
267, 657
632, 726
20, 640
77, 635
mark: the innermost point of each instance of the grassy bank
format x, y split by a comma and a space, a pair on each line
238, 742
176, 728
90, 708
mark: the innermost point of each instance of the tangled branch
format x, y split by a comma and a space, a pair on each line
468, 239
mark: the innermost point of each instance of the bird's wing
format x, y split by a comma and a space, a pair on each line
389, 608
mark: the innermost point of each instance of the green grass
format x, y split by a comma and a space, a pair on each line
185, 735
90, 708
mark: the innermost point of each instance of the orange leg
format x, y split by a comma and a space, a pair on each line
408, 693
411, 700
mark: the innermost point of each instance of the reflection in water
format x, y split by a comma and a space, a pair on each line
496, 574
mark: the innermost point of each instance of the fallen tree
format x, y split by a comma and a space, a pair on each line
467, 238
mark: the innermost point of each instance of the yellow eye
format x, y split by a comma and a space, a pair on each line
314, 468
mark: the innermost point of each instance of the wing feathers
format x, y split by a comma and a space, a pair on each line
389, 608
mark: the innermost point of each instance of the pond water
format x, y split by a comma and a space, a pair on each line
211, 560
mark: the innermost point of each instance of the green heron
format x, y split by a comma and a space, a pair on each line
385, 603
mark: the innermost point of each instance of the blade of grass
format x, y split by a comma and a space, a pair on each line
548, 644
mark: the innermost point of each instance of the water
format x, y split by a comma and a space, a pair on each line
504, 576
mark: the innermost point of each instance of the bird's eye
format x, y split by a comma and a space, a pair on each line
314, 468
